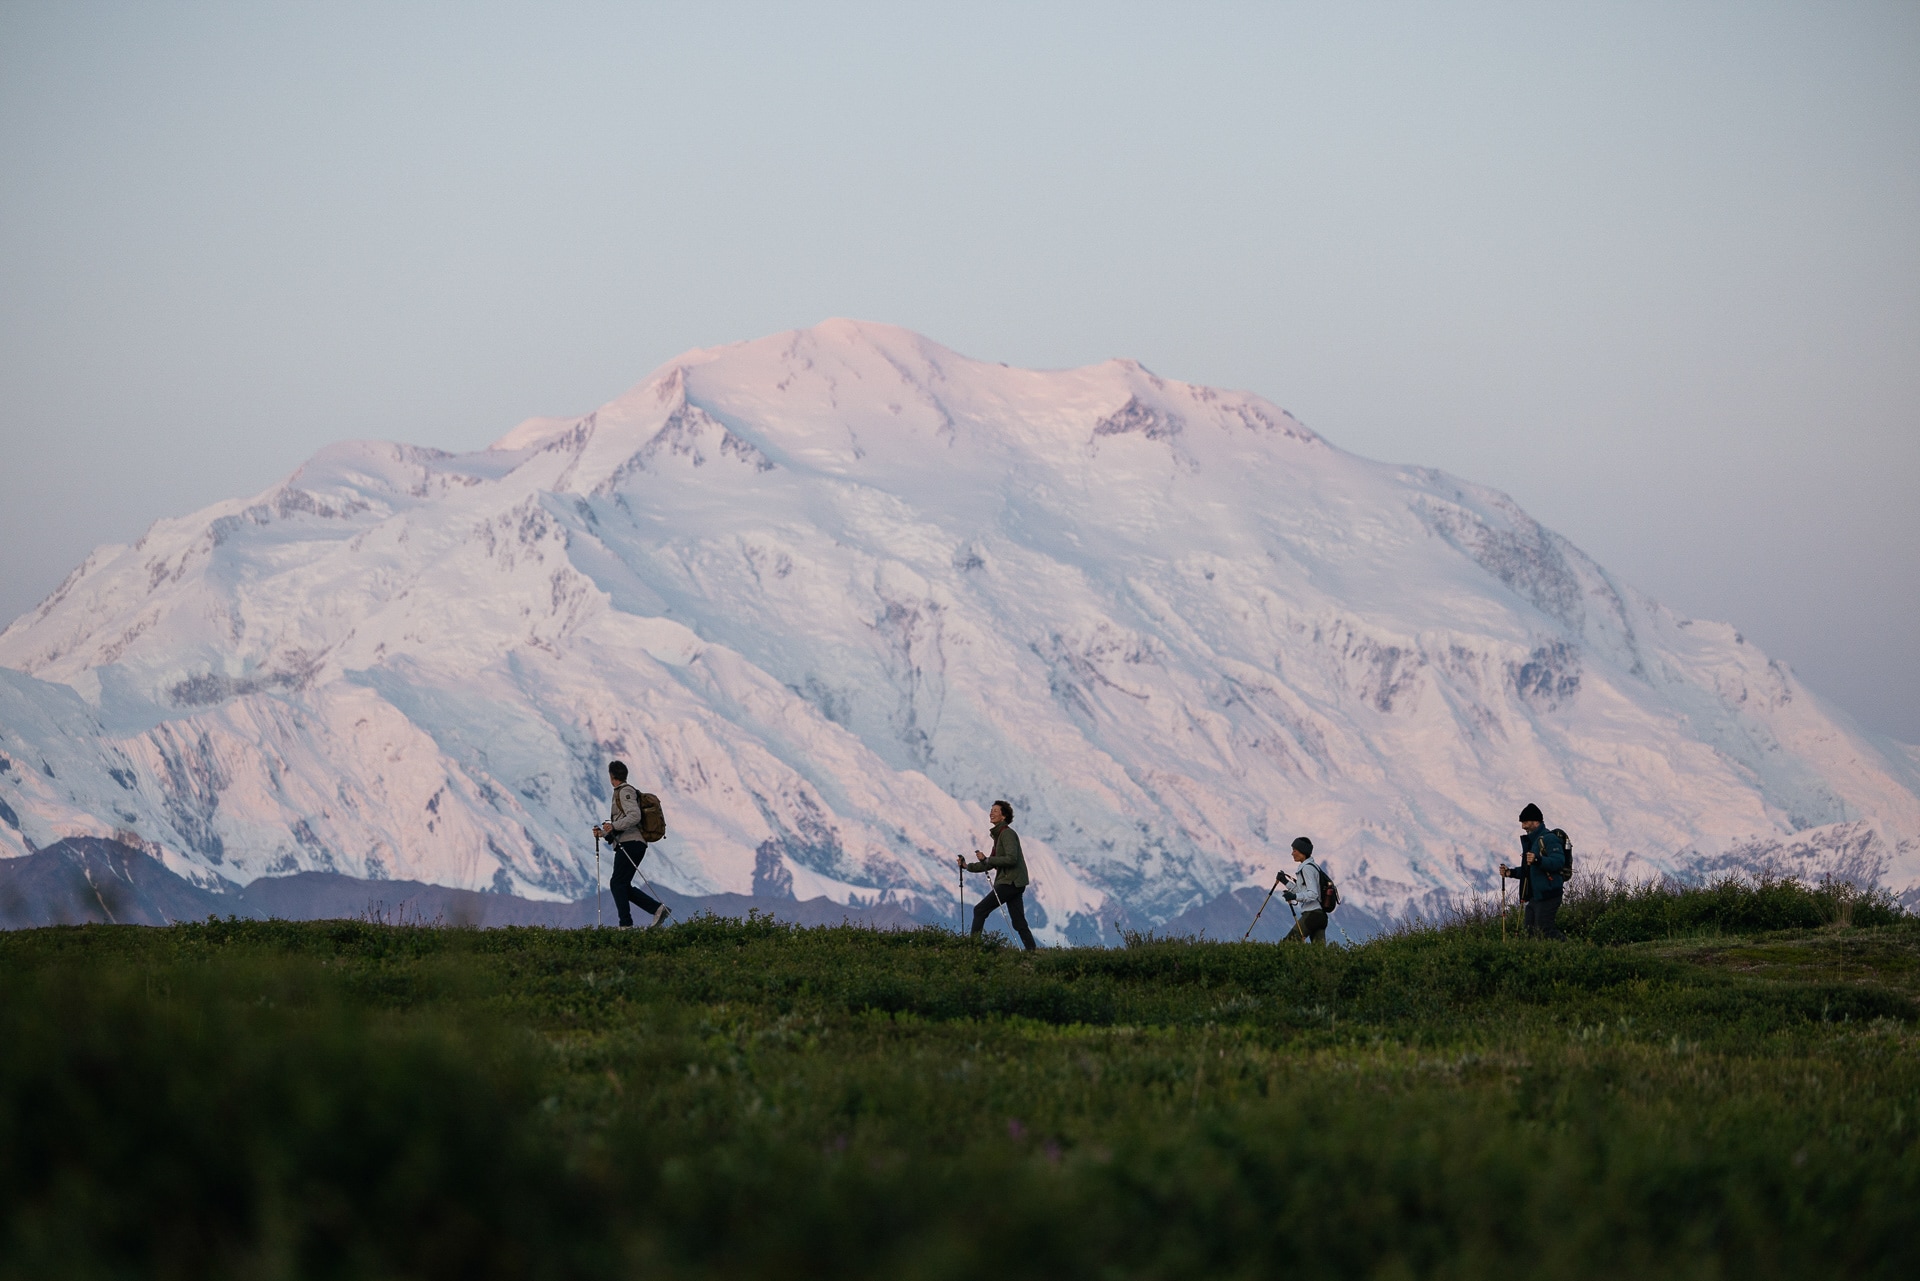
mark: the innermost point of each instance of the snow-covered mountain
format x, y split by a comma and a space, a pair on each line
832, 592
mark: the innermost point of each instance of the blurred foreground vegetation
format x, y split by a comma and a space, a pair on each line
1718, 1090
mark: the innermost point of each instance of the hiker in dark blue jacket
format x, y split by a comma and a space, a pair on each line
1543, 871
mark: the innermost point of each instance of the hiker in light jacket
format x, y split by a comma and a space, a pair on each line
1305, 895
1542, 873
1009, 867
623, 831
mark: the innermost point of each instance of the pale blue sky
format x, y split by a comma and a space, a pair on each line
1654, 269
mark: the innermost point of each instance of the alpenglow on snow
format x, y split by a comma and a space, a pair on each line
829, 593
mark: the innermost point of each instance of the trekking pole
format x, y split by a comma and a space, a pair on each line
1503, 907
993, 892
1277, 878
596, 878
646, 849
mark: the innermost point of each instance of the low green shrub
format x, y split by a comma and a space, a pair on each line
1613, 912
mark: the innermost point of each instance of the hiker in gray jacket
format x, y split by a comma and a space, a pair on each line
622, 830
1305, 895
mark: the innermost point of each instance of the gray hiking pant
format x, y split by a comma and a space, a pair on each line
1540, 914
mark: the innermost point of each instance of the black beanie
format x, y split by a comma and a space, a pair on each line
1531, 814
1304, 845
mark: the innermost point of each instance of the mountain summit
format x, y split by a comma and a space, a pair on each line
830, 593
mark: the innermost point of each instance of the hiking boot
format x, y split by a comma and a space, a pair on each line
660, 917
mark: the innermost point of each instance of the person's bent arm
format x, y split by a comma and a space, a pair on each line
1001, 855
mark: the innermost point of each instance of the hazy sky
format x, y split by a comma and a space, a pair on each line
1653, 269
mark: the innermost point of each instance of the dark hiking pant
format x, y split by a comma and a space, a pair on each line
1540, 914
1310, 928
1014, 896
626, 861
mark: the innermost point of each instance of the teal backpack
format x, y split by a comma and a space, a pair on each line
1566, 844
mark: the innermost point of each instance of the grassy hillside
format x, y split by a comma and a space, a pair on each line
719, 1098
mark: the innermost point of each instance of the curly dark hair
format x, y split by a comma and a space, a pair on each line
1005, 809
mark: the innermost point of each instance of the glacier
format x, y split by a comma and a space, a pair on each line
833, 591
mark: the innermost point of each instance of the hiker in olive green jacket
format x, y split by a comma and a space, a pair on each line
1009, 867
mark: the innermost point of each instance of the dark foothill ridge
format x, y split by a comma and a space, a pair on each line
91, 880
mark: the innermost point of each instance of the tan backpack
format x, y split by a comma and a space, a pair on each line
653, 820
